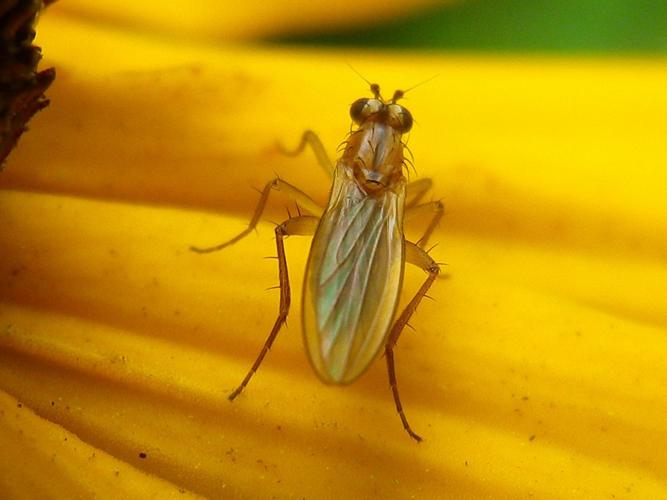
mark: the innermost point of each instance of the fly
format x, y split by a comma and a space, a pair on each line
355, 268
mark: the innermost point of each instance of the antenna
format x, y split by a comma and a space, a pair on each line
375, 88
400, 93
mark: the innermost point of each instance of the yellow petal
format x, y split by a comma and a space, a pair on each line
32, 445
231, 20
539, 371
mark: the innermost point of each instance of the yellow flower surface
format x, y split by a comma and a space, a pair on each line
231, 20
539, 370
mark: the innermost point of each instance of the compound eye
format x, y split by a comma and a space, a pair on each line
357, 110
400, 118
363, 108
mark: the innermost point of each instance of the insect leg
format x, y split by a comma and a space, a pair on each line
416, 190
301, 198
310, 138
434, 207
302, 225
415, 255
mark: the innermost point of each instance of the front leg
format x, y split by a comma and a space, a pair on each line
311, 139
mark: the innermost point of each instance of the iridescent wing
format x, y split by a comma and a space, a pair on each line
353, 278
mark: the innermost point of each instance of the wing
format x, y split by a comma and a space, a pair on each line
353, 279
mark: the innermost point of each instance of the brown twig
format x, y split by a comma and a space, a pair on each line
22, 87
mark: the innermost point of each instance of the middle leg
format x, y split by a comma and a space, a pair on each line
278, 184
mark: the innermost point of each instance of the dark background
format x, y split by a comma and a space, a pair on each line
574, 26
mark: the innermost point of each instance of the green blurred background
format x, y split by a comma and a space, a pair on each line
588, 26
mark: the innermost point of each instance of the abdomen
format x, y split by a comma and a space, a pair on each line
353, 279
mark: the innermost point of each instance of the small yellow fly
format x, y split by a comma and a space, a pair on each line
355, 268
